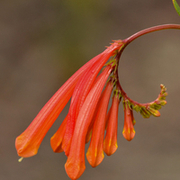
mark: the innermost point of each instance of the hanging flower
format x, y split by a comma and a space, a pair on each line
129, 122
75, 164
110, 141
80, 93
27, 144
95, 153
56, 139
87, 118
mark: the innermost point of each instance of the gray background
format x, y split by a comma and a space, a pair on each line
43, 42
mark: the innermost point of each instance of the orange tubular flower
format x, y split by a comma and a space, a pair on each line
89, 133
87, 118
56, 139
27, 144
110, 141
95, 153
75, 164
128, 130
81, 91
61, 139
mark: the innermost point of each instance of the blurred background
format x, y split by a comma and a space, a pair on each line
43, 42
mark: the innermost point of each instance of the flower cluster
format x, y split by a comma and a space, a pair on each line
86, 119
89, 118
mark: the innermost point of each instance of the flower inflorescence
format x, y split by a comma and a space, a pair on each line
89, 118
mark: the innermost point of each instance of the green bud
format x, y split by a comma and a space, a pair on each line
136, 108
145, 113
154, 112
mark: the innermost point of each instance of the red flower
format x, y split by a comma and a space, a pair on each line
95, 153
27, 144
81, 90
110, 141
87, 118
129, 122
75, 164
56, 139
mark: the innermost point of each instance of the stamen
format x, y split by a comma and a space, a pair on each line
20, 159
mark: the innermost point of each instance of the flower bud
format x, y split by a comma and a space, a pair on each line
128, 130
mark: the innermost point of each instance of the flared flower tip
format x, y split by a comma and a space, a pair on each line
128, 133
25, 149
75, 170
110, 148
95, 156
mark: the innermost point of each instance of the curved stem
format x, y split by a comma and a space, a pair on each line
128, 41
149, 30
